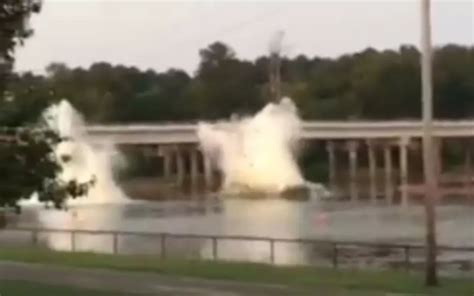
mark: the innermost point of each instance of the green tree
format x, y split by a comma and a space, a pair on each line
164, 98
225, 85
27, 162
453, 72
13, 30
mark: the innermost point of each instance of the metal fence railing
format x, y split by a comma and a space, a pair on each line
335, 251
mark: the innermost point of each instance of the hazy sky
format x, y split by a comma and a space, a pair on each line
160, 35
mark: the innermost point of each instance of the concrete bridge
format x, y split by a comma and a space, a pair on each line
320, 130
386, 146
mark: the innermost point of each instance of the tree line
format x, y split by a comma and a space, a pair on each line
370, 84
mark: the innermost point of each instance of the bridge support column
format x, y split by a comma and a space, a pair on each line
194, 166
468, 170
438, 154
180, 167
166, 153
167, 158
372, 170
388, 173
404, 142
332, 166
353, 189
207, 171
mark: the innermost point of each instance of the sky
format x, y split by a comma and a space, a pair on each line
162, 35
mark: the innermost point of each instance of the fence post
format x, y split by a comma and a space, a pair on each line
115, 242
163, 245
407, 257
34, 237
73, 241
335, 254
272, 251
214, 247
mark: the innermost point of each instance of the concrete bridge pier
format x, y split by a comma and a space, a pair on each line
467, 168
372, 158
167, 153
403, 146
468, 174
330, 147
375, 184
180, 167
167, 162
383, 147
208, 173
352, 147
173, 162
438, 151
387, 152
194, 170
183, 161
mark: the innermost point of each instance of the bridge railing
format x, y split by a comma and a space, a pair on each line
399, 256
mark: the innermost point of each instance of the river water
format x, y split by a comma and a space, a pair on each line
273, 217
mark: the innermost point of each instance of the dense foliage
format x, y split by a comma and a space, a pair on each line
28, 164
13, 30
367, 85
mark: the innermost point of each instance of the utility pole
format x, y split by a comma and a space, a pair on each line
430, 175
275, 66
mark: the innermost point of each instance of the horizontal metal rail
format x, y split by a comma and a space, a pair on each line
335, 256
240, 237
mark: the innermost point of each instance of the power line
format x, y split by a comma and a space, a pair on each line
230, 29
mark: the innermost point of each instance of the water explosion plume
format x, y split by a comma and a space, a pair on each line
86, 161
80, 159
256, 153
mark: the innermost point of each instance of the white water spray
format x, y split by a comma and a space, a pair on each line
81, 160
256, 153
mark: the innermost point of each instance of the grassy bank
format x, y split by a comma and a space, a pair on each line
305, 277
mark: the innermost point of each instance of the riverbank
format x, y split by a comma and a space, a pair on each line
342, 282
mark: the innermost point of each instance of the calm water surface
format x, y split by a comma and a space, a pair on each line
267, 216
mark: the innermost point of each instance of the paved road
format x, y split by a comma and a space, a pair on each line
135, 282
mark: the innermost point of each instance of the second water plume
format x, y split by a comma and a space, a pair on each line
256, 153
